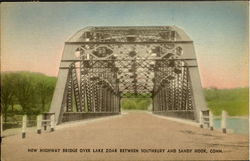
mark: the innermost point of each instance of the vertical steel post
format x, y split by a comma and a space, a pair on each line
211, 120
52, 122
39, 123
201, 119
224, 121
104, 100
111, 101
24, 126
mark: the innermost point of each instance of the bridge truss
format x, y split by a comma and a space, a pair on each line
101, 65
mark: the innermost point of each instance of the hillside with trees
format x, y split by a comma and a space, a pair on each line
234, 101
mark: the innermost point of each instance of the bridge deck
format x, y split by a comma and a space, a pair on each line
137, 130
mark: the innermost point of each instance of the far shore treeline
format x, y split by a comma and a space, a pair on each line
31, 93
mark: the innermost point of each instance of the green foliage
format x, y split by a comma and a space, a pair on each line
234, 101
25, 93
45, 87
7, 93
135, 103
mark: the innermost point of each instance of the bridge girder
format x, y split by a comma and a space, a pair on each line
100, 65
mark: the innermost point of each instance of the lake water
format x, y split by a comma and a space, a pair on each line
238, 125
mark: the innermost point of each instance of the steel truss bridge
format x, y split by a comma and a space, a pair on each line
101, 65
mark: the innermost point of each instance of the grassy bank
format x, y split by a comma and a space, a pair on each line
234, 101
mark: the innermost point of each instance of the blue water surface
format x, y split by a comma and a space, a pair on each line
238, 125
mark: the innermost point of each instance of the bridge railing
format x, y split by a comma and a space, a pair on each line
23, 124
207, 119
15, 125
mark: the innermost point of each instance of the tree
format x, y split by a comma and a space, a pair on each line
25, 92
7, 92
45, 88
32, 91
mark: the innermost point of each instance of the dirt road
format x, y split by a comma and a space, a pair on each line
134, 136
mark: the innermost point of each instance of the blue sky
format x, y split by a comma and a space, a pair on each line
33, 34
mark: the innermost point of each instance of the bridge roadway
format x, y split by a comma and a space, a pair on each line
134, 136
